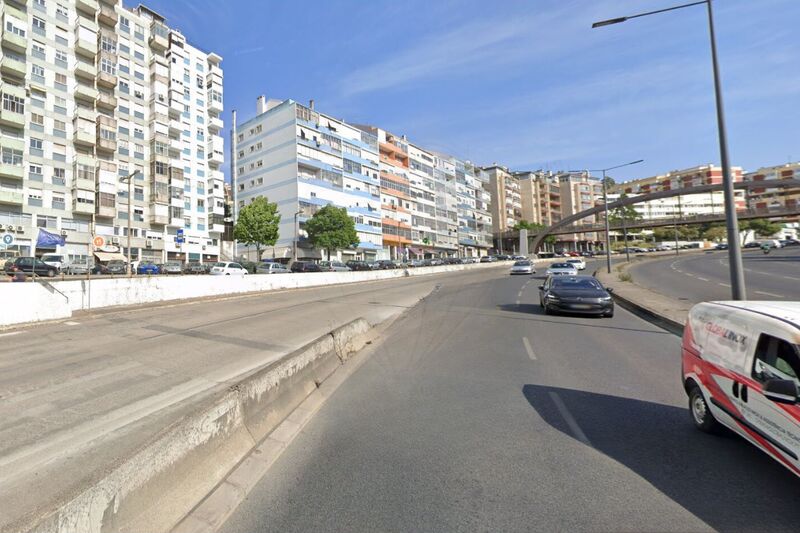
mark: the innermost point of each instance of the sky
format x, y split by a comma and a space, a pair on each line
525, 84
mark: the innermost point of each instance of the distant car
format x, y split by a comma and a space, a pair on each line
587, 253
385, 264
721, 246
305, 266
116, 267
358, 265
470, 260
523, 267
575, 294
78, 267
272, 268
194, 268
400, 263
436, 261
503, 257
333, 266
30, 265
56, 260
562, 269
172, 267
752, 244
228, 269
579, 263
488, 259
147, 267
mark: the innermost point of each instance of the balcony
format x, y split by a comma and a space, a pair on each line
11, 196
106, 101
176, 222
215, 105
215, 124
175, 128
12, 66
84, 137
106, 205
12, 41
85, 92
85, 70
85, 47
160, 220
215, 158
82, 208
89, 7
105, 145
107, 15
159, 36
10, 118
84, 184
217, 228
106, 79
175, 108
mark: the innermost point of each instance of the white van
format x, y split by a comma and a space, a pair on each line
741, 369
56, 260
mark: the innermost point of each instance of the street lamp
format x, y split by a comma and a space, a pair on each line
734, 250
605, 209
296, 236
129, 180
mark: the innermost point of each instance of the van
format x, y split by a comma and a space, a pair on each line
56, 260
740, 367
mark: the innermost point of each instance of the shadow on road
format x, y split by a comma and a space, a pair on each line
724, 481
535, 312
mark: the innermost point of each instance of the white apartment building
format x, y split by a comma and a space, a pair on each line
687, 205
91, 93
302, 160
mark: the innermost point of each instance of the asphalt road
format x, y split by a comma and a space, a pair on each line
703, 277
478, 414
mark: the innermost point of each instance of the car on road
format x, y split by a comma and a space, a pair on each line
225, 268
575, 294
358, 265
78, 267
790, 242
579, 263
30, 265
741, 370
333, 266
193, 267
272, 268
562, 269
172, 267
305, 266
148, 268
56, 260
503, 257
721, 246
488, 259
523, 267
752, 244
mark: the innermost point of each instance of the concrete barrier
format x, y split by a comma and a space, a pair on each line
32, 302
155, 488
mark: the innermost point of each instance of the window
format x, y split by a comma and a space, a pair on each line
61, 81
40, 4
38, 26
59, 128
35, 173
11, 157
125, 24
108, 66
14, 29
107, 44
776, 359
61, 57
13, 103
124, 87
61, 12
38, 51
59, 176
37, 120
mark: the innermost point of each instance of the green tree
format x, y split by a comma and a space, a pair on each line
715, 233
626, 213
258, 224
764, 227
331, 228
534, 229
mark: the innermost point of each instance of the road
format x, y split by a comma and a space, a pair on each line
703, 277
79, 395
478, 414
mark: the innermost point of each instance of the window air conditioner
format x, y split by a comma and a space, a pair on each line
114, 240
20, 228
148, 244
204, 247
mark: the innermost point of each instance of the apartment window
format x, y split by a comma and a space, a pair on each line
109, 67
124, 110
43, 221
60, 105
11, 157
123, 148
36, 147
35, 173
59, 128
124, 68
61, 82
138, 214
124, 87
139, 33
37, 122
62, 40
40, 4
13, 103
58, 201
138, 151
124, 48
14, 29
200, 102
61, 58
125, 24
62, 13
107, 44
37, 50
59, 176
39, 26
138, 133
138, 55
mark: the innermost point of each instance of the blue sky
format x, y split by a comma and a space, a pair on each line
527, 84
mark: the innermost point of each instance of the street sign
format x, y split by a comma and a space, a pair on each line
179, 237
8, 239
98, 241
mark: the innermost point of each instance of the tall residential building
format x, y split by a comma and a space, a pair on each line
506, 201
578, 192
774, 199
541, 196
677, 179
91, 93
302, 160
687, 205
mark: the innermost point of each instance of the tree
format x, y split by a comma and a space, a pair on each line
608, 181
715, 233
331, 228
764, 227
258, 224
533, 229
620, 214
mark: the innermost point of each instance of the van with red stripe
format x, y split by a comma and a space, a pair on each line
741, 370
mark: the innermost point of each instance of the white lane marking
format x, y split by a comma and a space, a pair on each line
702, 279
723, 284
528, 348
577, 432
791, 277
769, 294
679, 271
10, 334
690, 275
71, 323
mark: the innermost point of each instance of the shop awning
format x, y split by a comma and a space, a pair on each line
418, 251
110, 256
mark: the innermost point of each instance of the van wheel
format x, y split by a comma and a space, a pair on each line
51, 273
700, 412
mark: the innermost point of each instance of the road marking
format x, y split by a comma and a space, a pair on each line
790, 277
769, 294
679, 271
10, 334
577, 432
528, 348
702, 279
71, 323
690, 275
723, 284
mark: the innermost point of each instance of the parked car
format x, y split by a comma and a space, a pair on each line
172, 267
272, 268
99, 268
224, 268
523, 267
30, 265
721, 246
752, 244
116, 267
503, 257
78, 266
56, 260
147, 268
436, 261
575, 294
305, 266
488, 259
358, 265
333, 266
587, 253
195, 268
740, 368
562, 269
790, 242
470, 260
399, 263
579, 263
385, 264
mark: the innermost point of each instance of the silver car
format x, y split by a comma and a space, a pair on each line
272, 268
79, 266
172, 267
333, 266
562, 269
523, 267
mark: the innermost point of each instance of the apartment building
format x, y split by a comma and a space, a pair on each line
774, 199
473, 202
578, 191
506, 202
688, 205
302, 160
541, 196
676, 179
93, 92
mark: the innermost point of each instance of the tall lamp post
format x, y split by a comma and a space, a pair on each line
738, 291
296, 237
605, 208
129, 180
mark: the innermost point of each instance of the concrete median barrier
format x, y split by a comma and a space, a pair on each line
153, 489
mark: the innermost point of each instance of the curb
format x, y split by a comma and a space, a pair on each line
154, 489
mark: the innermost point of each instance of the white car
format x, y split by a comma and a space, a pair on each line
228, 269
523, 267
562, 269
579, 263
56, 260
